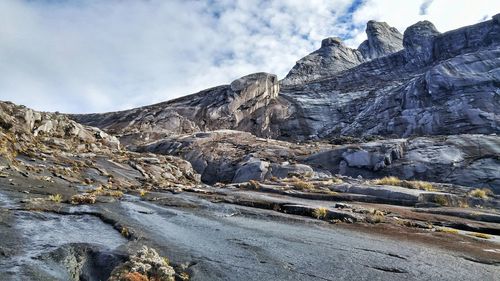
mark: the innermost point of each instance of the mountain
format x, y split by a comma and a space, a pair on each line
438, 84
422, 83
368, 155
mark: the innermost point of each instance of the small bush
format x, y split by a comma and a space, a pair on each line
320, 212
480, 193
143, 192
56, 198
480, 235
447, 230
125, 233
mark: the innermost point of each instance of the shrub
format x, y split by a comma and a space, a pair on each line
480, 235
143, 192
57, 198
480, 193
320, 212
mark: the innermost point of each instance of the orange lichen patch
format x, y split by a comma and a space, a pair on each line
134, 276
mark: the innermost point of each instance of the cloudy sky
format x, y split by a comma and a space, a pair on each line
103, 55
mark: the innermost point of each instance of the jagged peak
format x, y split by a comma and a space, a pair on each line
383, 40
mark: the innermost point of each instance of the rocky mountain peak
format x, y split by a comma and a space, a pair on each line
418, 41
334, 57
382, 40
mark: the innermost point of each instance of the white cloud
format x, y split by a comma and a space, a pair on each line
94, 56
444, 14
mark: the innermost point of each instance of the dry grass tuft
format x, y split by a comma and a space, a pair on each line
253, 184
376, 216
482, 193
56, 198
422, 185
320, 212
302, 185
387, 181
447, 230
480, 235
101, 191
394, 181
441, 200
83, 199
143, 192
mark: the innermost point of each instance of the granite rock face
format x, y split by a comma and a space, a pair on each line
439, 84
223, 107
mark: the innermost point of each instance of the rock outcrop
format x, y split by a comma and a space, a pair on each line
233, 156
51, 148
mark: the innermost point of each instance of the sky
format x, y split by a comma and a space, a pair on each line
83, 56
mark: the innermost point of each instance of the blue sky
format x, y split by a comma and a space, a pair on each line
94, 56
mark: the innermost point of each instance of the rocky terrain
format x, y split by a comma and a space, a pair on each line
375, 163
